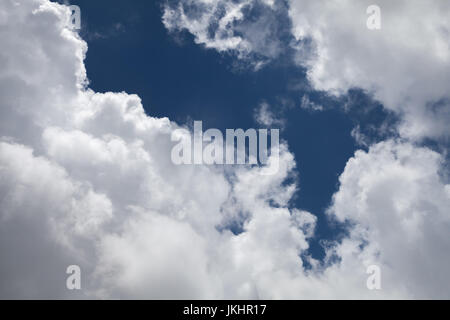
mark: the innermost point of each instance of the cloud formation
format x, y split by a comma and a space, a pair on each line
405, 65
254, 30
86, 179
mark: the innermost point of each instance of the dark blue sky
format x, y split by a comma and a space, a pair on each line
130, 50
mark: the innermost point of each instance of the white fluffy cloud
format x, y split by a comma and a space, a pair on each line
86, 178
397, 197
405, 64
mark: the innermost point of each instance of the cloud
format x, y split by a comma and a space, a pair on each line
251, 29
265, 117
86, 179
307, 104
396, 196
360, 138
404, 64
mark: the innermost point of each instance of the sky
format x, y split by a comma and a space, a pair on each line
182, 81
86, 123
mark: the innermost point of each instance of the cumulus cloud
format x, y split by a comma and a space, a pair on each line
396, 195
86, 178
265, 117
405, 64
